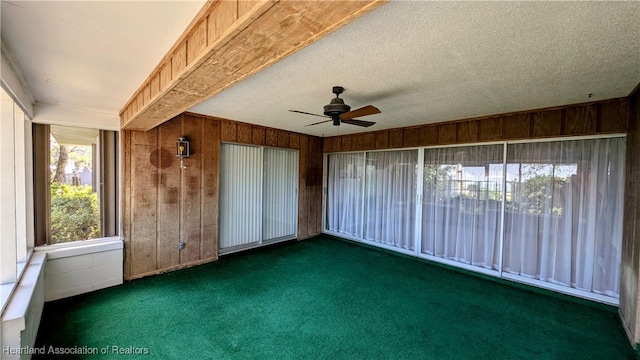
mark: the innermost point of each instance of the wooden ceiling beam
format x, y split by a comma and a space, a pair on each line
227, 42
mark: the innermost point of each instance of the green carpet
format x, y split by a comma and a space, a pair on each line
329, 299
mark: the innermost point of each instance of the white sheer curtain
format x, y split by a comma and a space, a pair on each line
564, 213
461, 204
390, 193
344, 197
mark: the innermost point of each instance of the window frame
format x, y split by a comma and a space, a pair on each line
108, 173
493, 273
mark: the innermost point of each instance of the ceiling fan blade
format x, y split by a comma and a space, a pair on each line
358, 122
363, 111
306, 113
321, 122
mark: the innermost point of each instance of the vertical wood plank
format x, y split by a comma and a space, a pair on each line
357, 142
210, 165
395, 138
169, 200
315, 203
382, 139
411, 137
327, 143
146, 93
257, 135
283, 139
140, 100
490, 129
614, 117
127, 201
547, 124
197, 42
516, 126
244, 133
336, 143
428, 135
229, 131
271, 137
294, 140
191, 190
221, 19
179, 61
346, 143
368, 141
154, 85
303, 188
165, 75
144, 194
581, 120
468, 131
447, 133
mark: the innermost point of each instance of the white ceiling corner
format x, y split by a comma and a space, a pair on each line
88, 57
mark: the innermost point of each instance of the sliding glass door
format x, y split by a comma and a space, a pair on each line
545, 213
461, 205
258, 196
345, 195
389, 201
564, 221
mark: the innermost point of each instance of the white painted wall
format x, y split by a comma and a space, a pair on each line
81, 267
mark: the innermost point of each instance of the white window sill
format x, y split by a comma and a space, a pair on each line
20, 296
83, 247
7, 289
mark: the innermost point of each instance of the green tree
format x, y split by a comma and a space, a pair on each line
74, 213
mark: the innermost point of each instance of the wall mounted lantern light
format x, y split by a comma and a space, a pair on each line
182, 150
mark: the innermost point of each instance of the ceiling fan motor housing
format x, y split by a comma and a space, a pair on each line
335, 109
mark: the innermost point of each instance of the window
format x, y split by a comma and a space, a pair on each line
16, 217
258, 196
546, 213
75, 183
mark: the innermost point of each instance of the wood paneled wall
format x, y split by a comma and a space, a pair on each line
629, 290
609, 116
163, 205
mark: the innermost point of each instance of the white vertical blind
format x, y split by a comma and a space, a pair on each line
279, 207
240, 195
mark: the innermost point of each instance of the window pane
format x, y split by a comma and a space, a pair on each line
390, 198
345, 184
75, 213
564, 213
461, 206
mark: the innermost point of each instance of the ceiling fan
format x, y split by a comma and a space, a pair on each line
337, 111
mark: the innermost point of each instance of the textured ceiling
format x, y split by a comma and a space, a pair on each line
91, 55
418, 62
422, 62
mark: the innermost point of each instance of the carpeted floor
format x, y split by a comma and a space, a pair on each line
328, 299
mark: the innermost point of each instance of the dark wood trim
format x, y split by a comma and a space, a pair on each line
591, 118
41, 188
